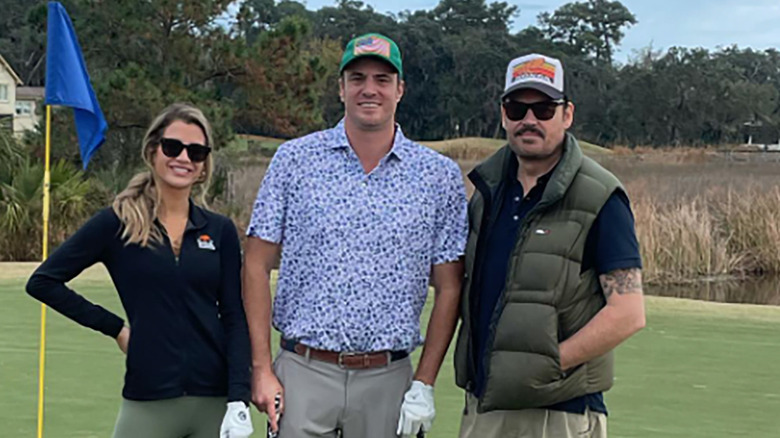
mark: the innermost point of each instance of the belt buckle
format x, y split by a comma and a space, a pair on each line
366, 359
344, 354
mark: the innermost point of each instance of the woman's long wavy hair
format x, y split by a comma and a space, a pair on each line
138, 204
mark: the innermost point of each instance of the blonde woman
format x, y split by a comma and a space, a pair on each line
176, 267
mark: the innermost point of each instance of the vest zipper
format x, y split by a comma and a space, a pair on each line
474, 299
501, 303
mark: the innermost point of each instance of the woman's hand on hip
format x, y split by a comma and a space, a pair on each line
123, 339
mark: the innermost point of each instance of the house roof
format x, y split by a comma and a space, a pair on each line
30, 93
8, 67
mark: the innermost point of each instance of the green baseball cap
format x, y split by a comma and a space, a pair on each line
375, 45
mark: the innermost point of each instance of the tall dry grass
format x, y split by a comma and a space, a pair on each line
699, 213
702, 214
717, 233
752, 222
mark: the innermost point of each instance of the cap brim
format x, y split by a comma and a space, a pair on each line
549, 90
368, 55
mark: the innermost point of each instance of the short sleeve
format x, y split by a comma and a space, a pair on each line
451, 218
270, 208
612, 242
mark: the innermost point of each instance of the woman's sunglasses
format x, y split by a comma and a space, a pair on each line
544, 110
172, 148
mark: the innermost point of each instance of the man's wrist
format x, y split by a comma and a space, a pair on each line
262, 367
564, 357
424, 378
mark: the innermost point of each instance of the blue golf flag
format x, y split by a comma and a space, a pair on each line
67, 82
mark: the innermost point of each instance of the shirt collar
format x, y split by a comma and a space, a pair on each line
400, 148
511, 173
197, 218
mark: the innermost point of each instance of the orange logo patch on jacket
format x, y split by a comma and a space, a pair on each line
205, 242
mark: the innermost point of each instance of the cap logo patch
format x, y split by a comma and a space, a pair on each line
205, 242
538, 68
372, 45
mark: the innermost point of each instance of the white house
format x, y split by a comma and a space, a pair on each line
28, 110
9, 80
20, 107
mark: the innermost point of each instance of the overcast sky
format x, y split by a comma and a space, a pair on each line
662, 23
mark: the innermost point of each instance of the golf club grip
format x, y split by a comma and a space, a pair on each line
277, 404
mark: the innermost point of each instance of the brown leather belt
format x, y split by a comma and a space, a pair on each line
346, 360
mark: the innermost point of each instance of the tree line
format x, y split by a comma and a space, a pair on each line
270, 67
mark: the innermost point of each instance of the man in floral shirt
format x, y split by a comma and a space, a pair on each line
364, 219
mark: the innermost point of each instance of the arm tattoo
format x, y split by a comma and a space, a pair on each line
622, 281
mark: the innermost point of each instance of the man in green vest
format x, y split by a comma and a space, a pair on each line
553, 273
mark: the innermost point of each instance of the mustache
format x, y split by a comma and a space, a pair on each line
529, 128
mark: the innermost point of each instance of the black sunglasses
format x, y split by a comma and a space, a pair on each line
544, 110
172, 148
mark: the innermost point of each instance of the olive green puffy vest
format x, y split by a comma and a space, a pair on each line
546, 299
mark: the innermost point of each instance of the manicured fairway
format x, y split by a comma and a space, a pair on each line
698, 370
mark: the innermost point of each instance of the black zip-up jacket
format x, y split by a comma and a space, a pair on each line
188, 331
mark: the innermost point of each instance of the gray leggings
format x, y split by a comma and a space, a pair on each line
181, 417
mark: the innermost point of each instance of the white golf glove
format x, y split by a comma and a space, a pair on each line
417, 410
237, 422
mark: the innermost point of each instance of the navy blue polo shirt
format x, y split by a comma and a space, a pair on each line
611, 245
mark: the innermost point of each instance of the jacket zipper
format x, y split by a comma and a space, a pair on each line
177, 263
501, 303
169, 245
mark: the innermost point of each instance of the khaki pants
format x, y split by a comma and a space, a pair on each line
321, 398
531, 423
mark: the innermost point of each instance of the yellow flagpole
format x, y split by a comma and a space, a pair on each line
46, 201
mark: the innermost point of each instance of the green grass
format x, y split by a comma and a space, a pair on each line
698, 370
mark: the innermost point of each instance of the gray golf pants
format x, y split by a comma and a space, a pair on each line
321, 399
